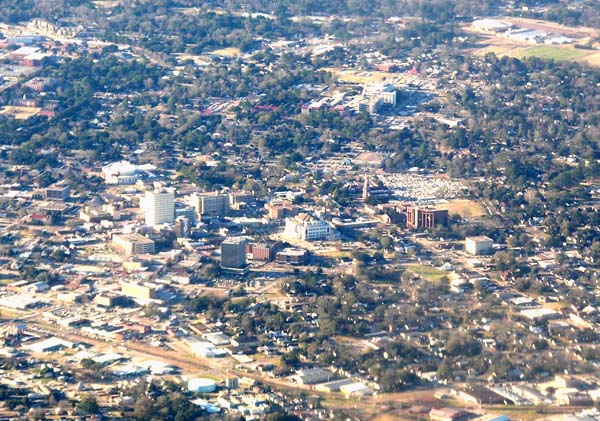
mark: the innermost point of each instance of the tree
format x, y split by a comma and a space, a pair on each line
88, 405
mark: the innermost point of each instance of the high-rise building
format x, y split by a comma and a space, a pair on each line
233, 253
209, 203
425, 217
159, 207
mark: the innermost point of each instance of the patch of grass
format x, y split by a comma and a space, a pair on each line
466, 208
551, 53
427, 272
227, 52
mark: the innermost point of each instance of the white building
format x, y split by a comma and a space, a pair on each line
159, 207
124, 172
479, 245
305, 227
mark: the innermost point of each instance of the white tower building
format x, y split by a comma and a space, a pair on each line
159, 207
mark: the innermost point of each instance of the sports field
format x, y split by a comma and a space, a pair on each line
427, 272
547, 52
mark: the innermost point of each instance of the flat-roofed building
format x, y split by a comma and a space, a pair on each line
265, 250
233, 253
427, 218
479, 245
57, 192
135, 290
214, 204
159, 207
292, 256
305, 227
132, 244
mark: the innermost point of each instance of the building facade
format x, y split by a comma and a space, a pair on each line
233, 253
307, 228
132, 244
159, 207
427, 218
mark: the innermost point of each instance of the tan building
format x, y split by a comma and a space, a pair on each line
143, 291
132, 244
209, 203
279, 209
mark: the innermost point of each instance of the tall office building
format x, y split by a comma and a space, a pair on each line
159, 207
214, 204
233, 253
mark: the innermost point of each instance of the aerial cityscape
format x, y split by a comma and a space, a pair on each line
300, 210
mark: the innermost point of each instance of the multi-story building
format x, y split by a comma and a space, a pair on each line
159, 207
58, 191
135, 290
425, 217
132, 244
307, 228
233, 253
214, 204
279, 209
265, 251
479, 245
291, 256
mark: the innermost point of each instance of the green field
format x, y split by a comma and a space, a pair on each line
548, 52
427, 272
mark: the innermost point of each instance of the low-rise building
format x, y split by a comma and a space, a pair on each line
306, 227
133, 244
479, 245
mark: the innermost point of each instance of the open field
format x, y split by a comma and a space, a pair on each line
20, 113
465, 208
227, 52
503, 45
562, 53
354, 76
427, 272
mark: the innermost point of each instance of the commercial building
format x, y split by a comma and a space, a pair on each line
427, 218
479, 245
99, 213
265, 251
307, 228
214, 204
159, 207
58, 192
132, 244
233, 253
135, 290
279, 209
291, 256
